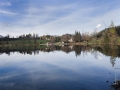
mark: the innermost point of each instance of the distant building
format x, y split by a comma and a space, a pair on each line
45, 37
67, 38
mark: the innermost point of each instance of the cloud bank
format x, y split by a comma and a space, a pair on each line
57, 19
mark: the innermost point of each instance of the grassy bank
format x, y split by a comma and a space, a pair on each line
23, 42
38, 42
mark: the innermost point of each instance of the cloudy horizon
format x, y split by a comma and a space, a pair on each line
56, 17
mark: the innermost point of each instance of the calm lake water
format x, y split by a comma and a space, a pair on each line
59, 68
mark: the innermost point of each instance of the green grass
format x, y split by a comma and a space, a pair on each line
23, 42
57, 43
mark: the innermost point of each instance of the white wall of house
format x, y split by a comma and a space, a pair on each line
70, 40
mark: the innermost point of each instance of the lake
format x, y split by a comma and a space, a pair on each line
59, 68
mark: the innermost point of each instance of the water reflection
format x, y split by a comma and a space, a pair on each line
59, 67
36, 49
112, 51
116, 83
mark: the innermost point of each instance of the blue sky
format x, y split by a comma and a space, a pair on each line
56, 17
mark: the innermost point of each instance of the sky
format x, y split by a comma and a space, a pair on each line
57, 17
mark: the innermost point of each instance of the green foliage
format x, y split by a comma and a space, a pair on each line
112, 29
106, 37
117, 28
24, 42
77, 36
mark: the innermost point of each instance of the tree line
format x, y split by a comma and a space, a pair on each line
109, 35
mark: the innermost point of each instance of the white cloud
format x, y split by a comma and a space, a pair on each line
5, 4
38, 20
98, 25
6, 12
58, 20
4, 24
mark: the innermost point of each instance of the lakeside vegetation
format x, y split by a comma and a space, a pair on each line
110, 35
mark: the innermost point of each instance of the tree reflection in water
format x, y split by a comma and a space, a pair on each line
113, 51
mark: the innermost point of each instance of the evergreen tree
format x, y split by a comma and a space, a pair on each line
77, 36
106, 37
112, 33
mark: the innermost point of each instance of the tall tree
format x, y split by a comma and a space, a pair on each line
112, 34
106, 37
77, 36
